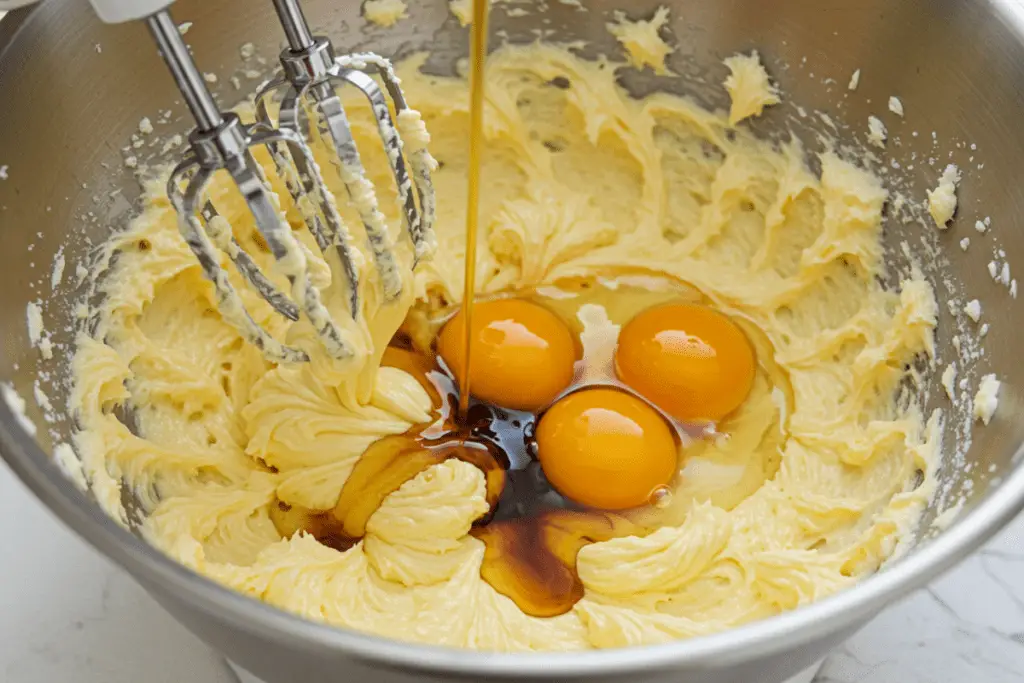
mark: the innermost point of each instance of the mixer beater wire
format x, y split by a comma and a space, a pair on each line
312, 77
221, 142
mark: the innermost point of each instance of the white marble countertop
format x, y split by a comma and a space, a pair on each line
70, 615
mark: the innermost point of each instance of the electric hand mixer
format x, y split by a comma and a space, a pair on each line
311, 77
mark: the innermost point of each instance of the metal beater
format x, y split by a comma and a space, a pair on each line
312, 75
222, 142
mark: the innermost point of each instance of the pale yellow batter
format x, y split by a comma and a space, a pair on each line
580, 178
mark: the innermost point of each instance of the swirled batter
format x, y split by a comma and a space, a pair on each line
183, 417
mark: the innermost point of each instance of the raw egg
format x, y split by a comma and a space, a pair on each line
522, 354
691, 361
607, 449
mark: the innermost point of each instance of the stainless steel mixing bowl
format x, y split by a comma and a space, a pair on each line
73, 91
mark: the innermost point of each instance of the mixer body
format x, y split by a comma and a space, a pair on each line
956, 66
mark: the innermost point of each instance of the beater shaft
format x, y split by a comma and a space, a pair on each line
186, 76
293, 21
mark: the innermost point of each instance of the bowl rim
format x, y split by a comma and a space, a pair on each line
786, 632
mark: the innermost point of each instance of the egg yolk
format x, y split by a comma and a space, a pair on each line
522, 355
689, 360
605, 448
